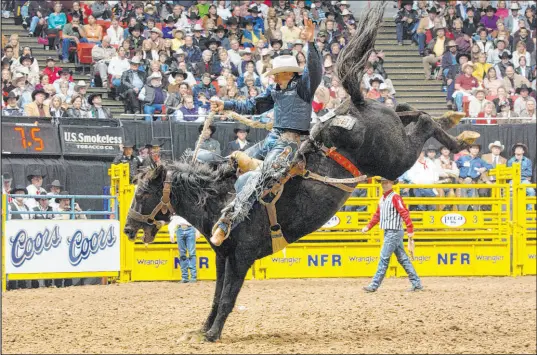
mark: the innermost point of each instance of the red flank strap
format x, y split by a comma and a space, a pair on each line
341, 160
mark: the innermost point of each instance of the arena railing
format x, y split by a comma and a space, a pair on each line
110, 213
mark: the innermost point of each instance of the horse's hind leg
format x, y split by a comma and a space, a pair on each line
235, 272
425, 128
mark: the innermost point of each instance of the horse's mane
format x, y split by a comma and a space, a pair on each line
197, 182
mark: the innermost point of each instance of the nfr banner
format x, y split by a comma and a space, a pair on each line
61, 246
91, 141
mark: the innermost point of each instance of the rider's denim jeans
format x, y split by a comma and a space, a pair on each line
393, 244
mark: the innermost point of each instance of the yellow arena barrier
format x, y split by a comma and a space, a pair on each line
496, 241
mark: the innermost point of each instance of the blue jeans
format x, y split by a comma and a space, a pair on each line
425, 193
421, 41
116, 82
393, 243
450, 91
186, 242
530, 192
66, 43
33, 24
458, 100
261, 149
150, 109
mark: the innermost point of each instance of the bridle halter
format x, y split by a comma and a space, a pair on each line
164, 206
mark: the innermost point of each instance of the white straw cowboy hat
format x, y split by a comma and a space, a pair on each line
155, 75
284, 63
497, 144
157, 31
80, 84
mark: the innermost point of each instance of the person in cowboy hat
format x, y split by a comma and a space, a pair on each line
511, 21
97, 110
136, 39
257, 21
12, 109
209, 143
221, 36
153, 96
391, 212
157, 42
292, 118
464, 83
43, 206
471, 167
493, 158
35, 178
519, 151
178, 39
153, 154
425, 24
241, 143
434, 51
132, 81
168, 29
520, 103
198, 39
51, 70
19, 203
54, 189
374, 93
127, 156
37, 108
490, 19
478, 101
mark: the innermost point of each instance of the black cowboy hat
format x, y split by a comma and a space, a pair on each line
241, 127
92, 96
470, 8
39, 91
432, 10
254, 9
64, 71
521, 145
35, 172
170, 19
378, 80
178, 71
138, 27
221, 28
232, 21
274, 41
55, 183
524, 87
505, 54
193, 16
211, 127
11, 95
467, 55
490, 8
430, 147
18, 188
128, 144
24, 57
62, 193
212, 41
155, 143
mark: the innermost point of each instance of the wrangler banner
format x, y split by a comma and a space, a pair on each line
61, 246
91, 141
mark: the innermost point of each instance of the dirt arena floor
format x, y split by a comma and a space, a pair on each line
453, 315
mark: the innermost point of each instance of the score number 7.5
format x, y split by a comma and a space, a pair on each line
25, 144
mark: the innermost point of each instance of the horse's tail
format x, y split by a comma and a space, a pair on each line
351, 61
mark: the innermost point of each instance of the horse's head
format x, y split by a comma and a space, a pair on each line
151, 206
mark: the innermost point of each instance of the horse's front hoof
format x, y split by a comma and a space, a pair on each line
450, 119
211, 337
468, 137
195, 336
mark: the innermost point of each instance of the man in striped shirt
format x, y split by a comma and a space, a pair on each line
391, 212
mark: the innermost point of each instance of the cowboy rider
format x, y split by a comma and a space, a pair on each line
291, 97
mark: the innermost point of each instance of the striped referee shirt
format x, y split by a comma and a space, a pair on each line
391, 212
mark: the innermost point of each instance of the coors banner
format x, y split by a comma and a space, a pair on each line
91, 141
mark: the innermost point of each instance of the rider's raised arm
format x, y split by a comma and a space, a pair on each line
248, 106
312, 74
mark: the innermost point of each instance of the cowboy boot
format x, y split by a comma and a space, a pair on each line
450, 119
219, 234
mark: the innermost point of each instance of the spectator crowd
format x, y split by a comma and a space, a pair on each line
171, 57
483, 52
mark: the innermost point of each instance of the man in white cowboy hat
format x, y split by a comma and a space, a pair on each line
519, 151
22, 89
153, 95
291, 97
493, 158
81, 88
132, 81
511, 21
157, 42
478, 101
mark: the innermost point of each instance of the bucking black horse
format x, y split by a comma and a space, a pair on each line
375, 138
